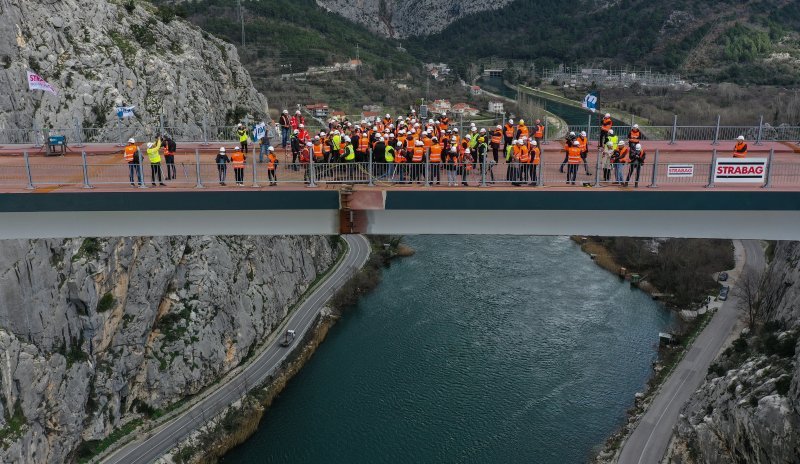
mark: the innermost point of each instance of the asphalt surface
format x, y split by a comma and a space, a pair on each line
649, 440
148, 448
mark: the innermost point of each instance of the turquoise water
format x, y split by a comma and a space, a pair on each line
476, 349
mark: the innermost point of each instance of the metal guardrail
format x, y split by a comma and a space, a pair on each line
210, 133
31, 173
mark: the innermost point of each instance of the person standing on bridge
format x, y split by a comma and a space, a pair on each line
573, 161
508, 133
222, 161
536, 154
241, 133
286, 128
583, 141
538, 132
740, 150
612, 138
435, 160
497, 137
605, 127
154, 155
134, 160
169, 157
569, 140
297, 121
605, 161
451, 166
272, 162
638, 156
620, 157
635, 135
237, 160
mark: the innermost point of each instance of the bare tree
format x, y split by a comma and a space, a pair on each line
749, 290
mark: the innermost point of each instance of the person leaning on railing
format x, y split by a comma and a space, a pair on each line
154, 155
740, 150
133, 158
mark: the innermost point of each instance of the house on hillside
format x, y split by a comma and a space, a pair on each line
319, 110
466, 110
475, 90
495, 107
370, 116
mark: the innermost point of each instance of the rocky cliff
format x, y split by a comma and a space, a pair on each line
748, 409
104, 53
404, 18
97, 332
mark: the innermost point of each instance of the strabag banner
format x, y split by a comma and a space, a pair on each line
35, 82
740, 170
680, 170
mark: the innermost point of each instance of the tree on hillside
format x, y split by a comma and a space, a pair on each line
750, 292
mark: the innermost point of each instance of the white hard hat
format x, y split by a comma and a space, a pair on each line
621, 143
285, 111
322, 134
222, 149
430, 121
316, 137
297, 112
511, 121
380, 138
388, 116
346, 139
453, 149
309, 144
499, 126
466, 151
399, 144
236, 148
455, 130
131, 141
483, 130
302, 125
741, 137
418, 143
374, 128
515, 142
610, 144
638, 146
468, 137
572, 133
240, 125
611, 132
534, 143
635, 126
583, 133
271, 148
149, 144
297, 131
608, 115
576, 143
391, 135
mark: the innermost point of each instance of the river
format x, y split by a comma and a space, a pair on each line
476, 349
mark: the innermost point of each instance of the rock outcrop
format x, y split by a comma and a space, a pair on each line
97, 332
102, 53
748, 409
403, 18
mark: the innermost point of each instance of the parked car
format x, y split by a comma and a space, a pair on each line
723, 293
723, 276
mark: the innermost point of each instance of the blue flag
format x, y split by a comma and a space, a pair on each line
125, 112
590, 101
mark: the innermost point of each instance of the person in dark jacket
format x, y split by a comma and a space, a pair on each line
222, 165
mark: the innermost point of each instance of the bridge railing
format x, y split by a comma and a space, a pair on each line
26, 172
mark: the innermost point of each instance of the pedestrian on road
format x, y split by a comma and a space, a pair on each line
241, 132
286, 128
169, 156
222, 161
238, 159
638, 156
154, 155
134, 160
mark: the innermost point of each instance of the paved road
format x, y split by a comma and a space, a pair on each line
148, 449
649, 441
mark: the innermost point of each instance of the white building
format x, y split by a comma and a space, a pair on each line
496, 107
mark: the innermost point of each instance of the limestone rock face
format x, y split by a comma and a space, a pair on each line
748, 409
100, 55
404, 18
96, 332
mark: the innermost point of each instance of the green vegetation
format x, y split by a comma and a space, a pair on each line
145, 34
742, 44
91, 448
124, 46
89, 249
15, 424
106, 302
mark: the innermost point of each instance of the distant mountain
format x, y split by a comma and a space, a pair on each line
753, 41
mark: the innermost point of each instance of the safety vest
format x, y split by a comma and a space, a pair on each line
606, 124
363, 143
237, 159
537, 152
740, 150
435, 154
336, 142
509, 150
539, 131
509, 130
350, 154
388, 154
318, 156
419, 153
524, 154
614, 139
574, 155
427, 142
130, 151
635, 136
271, 160
153, 153
497, 137
523, 130
242, 135
624, 155
583, 143
399, 157
473, 142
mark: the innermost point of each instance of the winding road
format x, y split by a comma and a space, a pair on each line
648, 442
152, 445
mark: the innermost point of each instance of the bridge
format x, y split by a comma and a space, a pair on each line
679, 195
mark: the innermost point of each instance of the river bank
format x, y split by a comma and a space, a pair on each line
669, 355
234, 425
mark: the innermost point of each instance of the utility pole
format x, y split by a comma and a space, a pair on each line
358, 60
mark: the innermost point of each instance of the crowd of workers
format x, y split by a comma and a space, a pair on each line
409, 149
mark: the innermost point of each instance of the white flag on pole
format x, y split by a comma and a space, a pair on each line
259, 132
35, 82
